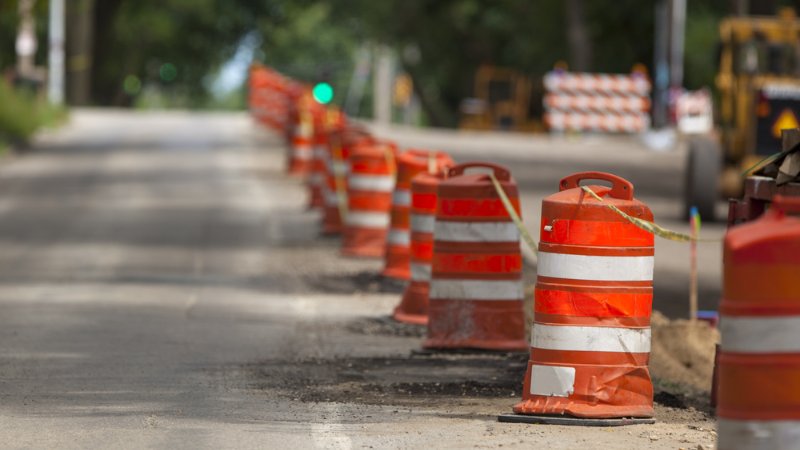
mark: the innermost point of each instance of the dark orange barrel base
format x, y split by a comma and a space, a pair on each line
331, 223
604, 392
478, 324
299, 167
398, 261
315, 198
413, 307
364, 243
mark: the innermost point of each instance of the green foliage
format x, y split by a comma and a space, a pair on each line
22, 114
173, 45
310, 43
163, 52
701, 63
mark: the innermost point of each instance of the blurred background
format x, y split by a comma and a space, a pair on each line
195, 53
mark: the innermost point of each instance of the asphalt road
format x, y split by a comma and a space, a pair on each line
162, 285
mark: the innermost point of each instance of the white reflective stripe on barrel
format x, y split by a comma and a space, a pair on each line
420, 272
375, 183
754, 334
305, 129
331, 198
422, 223
336, 167
758, 434
475, 231
302, 152
476, 289
399, 237
598, 268
316, 178
320, 152
368, 219
590, 339
401, 197
552, 381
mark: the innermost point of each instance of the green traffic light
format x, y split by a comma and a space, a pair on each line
323, 93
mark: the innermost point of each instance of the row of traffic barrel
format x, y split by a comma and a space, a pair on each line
447, 229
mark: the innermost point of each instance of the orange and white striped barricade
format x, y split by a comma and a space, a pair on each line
340, 143
605, 103
370, 183
267, 97
316, 176
694, 112
301, 148
590, 341
758, 396
257, 84
413, 307
409, 163
476, 292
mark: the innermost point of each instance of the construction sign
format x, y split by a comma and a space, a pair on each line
786, 119
776, 108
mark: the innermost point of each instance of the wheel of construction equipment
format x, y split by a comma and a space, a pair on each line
703, 166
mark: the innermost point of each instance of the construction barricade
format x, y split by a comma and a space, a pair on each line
340, 143
758, 397
326, 122
268, 97
413, 307
590, 341
589, 102
300, 151
370, 183
476, 292
409, 164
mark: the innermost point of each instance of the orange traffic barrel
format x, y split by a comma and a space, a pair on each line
340, 143
370, 183
476, 293
316, 177
398, 241
590, 341
758, 395
413, 307
301, 148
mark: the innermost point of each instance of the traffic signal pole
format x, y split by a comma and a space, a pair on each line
55, 60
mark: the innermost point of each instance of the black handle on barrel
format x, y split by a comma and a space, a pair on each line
620, 187
500, 172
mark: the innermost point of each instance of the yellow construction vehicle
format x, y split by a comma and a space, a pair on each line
758, 83
502, 101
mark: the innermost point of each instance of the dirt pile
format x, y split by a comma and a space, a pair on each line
682, 353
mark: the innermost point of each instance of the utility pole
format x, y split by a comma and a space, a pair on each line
55, 60
382, 86
79, 43
358, 81
676, 43
661, 65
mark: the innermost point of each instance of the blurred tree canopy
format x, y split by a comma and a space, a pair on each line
179, 45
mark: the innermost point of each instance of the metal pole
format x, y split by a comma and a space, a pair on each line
382, 87
361, 72
660, 65
55, 61
676, 43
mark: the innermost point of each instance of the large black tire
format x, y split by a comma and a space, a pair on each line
703, 169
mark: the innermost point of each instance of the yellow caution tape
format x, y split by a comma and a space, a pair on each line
650, 227
338, 178
513, 214
646, 225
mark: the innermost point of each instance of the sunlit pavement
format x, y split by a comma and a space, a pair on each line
149, 261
